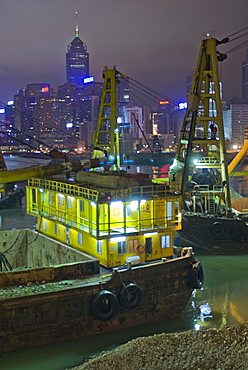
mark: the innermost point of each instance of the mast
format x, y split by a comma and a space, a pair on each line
201, 154
76, 29
105, 137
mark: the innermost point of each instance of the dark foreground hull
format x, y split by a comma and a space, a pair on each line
160, 291
217, 235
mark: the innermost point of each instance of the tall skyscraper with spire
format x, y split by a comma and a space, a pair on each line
77, 60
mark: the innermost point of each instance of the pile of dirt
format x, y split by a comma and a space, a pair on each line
220, 349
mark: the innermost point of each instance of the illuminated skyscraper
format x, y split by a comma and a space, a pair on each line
77, 60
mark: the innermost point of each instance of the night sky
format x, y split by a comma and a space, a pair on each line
153, 41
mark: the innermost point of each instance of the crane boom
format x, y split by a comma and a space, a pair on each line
49, 170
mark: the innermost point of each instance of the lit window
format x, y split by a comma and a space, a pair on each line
99, 246
122, 247
165, 241
69, 202
128, 211
61, 199
80, 238
44, 225
81, 206
169, 210
50, 197
132, 245
56, 229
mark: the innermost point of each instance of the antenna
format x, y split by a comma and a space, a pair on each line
76, 31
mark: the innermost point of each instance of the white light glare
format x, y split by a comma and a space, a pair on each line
197, 327
195, 161
134, 205
150, 234
118, 239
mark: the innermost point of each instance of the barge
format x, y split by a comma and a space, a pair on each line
54, 293
112, 234
200, 170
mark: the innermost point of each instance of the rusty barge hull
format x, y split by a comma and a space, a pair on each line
68, 312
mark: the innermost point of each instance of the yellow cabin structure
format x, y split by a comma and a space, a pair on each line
113, 216
130, 225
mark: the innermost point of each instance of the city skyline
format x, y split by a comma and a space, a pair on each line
156, 44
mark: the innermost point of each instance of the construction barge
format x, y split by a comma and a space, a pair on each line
102, 257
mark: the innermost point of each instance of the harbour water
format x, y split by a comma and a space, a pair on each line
223, 300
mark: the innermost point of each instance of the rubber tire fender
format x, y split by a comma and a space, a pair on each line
130, 296
196, 276
105, 305
217, 229
238, 233
185, 224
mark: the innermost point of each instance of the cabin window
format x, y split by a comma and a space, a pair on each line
80, 238
169, 210
56, 229
50, 197
176, 206
122, 247
81, 205
69, 202
99, 246
33, 196
61, 199
165, 241
128, 211
44, 225
43, 196
132, 245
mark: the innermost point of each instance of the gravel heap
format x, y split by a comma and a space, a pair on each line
220, 349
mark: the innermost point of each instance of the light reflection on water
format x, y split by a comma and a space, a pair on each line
223, 300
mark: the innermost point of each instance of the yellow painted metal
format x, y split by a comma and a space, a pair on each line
203, 123
27, 173
239, 155
107, 230
106, 135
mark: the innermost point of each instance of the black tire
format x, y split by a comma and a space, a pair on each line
196, 276
238, 233
105, 305
130, 296
218, 229
185, 224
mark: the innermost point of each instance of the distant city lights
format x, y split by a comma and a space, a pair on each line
183, 105
69, 125
2, 110
10, 102
45, 89
164, 102
88, 80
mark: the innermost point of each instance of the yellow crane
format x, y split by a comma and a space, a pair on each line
236, 160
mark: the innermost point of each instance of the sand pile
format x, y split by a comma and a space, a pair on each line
221, 349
